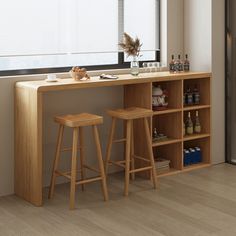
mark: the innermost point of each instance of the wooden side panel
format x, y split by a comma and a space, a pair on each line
28, 145
139, 95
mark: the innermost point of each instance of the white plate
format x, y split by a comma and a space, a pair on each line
51, 80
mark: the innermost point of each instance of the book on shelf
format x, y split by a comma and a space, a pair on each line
162, 163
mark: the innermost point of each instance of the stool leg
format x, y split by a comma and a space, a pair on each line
73, 168
127, 157
109, 146
56, 161
132, 151
81, 140
100, 162
150, 152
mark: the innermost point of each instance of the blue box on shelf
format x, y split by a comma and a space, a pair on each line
198, 154
187, 157
192, 156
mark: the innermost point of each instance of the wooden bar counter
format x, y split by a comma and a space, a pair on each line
137, 92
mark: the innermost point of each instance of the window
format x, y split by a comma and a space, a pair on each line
49, 36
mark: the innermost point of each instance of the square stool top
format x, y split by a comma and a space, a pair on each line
131, 113
78, 120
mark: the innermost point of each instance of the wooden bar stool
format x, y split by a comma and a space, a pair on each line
77, 122
129, 115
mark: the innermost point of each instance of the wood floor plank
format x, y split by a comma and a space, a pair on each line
197, 203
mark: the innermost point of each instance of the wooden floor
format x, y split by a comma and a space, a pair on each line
199, 203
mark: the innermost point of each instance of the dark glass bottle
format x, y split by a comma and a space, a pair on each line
186, 64
189, 99
196, 95
172, 64
180, 64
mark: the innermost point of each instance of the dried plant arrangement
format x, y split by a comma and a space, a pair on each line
130, 46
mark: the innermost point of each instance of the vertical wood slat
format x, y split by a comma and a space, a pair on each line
28, 145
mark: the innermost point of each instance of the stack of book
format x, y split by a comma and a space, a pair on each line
162, 165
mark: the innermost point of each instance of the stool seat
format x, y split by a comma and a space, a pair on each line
79, 120
130, 113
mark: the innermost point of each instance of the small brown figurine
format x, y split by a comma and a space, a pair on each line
78, 73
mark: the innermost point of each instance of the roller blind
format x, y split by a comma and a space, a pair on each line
62, 33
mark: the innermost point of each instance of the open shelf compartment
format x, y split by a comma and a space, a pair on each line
204, 145
203, 86
204, 115
172, 152
174, 91
169, 125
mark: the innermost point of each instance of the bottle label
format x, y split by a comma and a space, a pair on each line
172, 67
189, 130
180, 67
196, 98
190, 99
186, 67
197, 129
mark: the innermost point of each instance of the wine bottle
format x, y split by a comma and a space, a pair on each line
172, 64
155, 134
180, 64
197, 126
189, 125
186, 64
189, 99
196, 95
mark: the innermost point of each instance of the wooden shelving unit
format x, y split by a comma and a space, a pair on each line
170, 122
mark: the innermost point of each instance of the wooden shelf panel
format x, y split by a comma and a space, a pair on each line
195, 166
167, 111
196, 136
166, 142
172, 171
196, 107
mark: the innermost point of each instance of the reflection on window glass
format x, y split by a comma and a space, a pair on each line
63, 33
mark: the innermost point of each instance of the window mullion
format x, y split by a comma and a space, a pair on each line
120, 28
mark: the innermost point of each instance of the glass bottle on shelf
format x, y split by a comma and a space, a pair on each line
197, 126
189, 99
172, 64
154, 134
189, 125
180, 64
186, 64
196, 95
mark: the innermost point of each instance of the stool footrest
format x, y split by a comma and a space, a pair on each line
86, 181
118, 163
67, 149
91, 168
141, 169
65, 174
141, 158
119, 140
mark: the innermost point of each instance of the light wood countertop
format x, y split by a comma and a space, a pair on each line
65, 84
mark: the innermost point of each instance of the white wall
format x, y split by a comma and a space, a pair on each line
218, 84
172, 29
204, 42
197, 33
